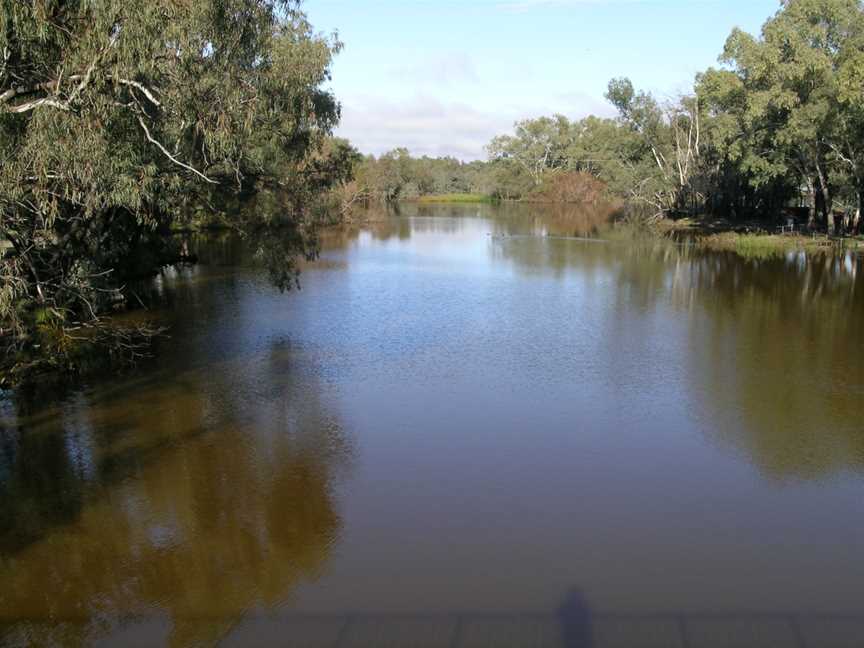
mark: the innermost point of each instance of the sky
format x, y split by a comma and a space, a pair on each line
442, 77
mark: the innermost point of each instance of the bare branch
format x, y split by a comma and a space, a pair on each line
6, 55
840, 155
54, 101
13, 92
32, 105
85, 81
147, 92
165, 152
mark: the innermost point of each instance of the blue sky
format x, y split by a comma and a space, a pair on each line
442, 77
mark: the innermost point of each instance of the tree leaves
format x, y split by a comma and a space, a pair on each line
116, 118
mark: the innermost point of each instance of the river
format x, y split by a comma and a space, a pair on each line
473, 425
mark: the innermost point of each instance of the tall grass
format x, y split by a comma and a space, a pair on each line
764, 246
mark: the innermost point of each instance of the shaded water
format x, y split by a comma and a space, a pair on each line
459, 421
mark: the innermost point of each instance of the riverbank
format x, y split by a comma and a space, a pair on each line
453, 198
750, 239
489, 200
747, 238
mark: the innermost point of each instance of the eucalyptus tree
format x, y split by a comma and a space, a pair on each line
117, 116
792, 112
743, 173
537, 146
641, 112
386, 177
670, 134
849, 147
613, 152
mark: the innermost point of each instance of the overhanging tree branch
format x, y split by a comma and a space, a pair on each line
167, 154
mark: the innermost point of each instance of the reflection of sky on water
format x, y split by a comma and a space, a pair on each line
454, 414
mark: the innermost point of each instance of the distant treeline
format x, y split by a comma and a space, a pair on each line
777, 131
397, 175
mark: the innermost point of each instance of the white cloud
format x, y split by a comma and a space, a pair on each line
426, 125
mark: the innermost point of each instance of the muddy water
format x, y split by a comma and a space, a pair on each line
466, 413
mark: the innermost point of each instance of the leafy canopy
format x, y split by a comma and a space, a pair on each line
117, 118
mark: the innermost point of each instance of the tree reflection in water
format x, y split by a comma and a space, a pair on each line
206, 489
756, 326
752, 323
175, 497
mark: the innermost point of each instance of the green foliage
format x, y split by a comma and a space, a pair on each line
786, 104
782, 123
538, 146
118, 118
396, 176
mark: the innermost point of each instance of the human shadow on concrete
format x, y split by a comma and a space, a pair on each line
575, 617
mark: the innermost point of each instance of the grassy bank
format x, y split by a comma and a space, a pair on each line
766, 245
454, 198
749, 240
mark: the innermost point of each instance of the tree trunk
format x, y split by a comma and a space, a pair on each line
827, 203
811, 214
819, 208
856, 221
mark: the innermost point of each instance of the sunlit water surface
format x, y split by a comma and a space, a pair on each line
467, 415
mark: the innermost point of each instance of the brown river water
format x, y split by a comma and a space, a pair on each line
471, 427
